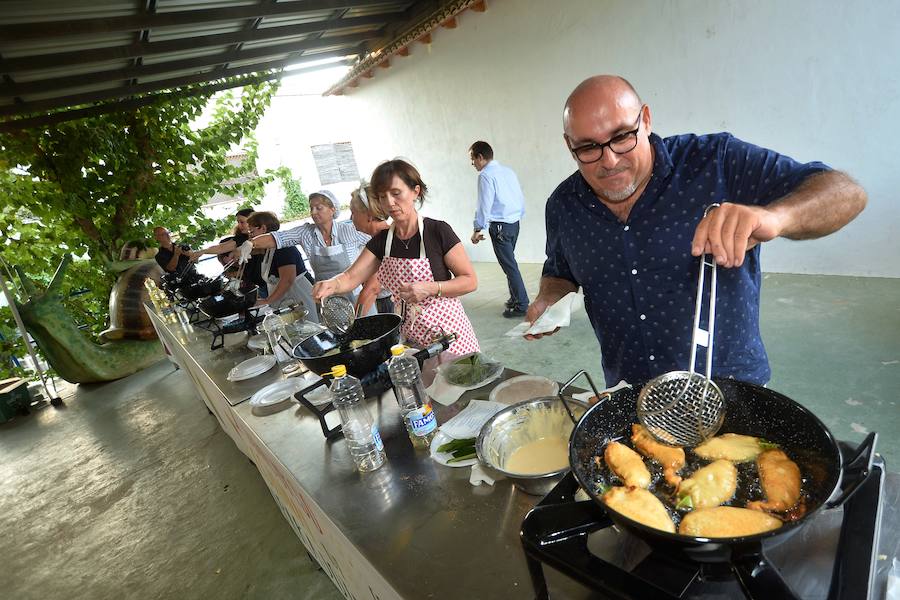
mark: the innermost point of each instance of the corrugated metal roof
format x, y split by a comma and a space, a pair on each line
56, 55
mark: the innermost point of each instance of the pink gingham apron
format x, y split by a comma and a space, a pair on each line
422, 320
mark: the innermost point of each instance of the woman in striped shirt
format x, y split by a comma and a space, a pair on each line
331, 246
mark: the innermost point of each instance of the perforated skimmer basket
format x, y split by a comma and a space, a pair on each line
684, 408
338, 314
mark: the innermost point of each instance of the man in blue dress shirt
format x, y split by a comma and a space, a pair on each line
628, 228
501, 205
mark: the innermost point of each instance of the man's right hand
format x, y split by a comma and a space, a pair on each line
477, 237
535, 310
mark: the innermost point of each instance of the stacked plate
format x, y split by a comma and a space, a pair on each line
275, 397
252, 367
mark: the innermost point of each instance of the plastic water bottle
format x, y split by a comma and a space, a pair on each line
415, 405
360, 431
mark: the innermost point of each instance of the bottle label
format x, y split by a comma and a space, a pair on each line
377, 437
422, 420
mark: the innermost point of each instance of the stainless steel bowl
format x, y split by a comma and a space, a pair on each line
505, 433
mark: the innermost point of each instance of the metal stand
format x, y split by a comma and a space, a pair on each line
55, 400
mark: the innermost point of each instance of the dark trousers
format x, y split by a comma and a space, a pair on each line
503, 238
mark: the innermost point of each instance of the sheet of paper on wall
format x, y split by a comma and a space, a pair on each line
558, 315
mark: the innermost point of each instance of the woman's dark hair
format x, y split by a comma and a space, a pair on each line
264, 219
244, 212
383, 176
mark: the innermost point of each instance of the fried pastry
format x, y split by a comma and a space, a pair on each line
780, 479
726, 521
639, 505
627, 465
671, 458
731, 446
709, 486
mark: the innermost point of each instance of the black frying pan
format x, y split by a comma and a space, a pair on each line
383, 331
750, 410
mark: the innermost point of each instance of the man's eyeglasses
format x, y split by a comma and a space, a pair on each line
620, 144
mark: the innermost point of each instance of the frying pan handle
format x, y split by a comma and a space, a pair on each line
759, 578
856, 470
567, 384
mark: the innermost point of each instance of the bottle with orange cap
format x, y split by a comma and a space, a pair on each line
360, 431
415, 405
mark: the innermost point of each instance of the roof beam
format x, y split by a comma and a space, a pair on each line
39, 30
153, 86
48, 61
71, 115
132, 72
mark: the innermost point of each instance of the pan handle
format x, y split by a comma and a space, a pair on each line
759, 578
856, 470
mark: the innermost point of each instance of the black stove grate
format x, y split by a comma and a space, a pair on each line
579, 540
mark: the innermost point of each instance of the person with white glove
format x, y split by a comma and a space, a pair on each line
245, 251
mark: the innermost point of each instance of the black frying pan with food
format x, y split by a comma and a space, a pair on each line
362, 349
749, 410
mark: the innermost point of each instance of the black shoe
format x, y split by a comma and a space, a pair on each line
513, 313
510, 303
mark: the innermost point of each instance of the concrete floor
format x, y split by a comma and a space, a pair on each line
132, 490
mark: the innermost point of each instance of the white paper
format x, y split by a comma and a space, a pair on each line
558, 315
469, 422
442, 392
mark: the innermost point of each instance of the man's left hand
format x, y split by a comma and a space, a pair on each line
477, 237
730, 230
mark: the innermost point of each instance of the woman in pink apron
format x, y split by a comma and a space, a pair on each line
420, 260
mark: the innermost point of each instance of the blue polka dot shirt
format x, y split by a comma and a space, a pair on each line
639, 278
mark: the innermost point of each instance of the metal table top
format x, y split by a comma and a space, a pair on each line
422, 525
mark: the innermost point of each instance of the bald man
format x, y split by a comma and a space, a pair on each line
628, 227
170, 255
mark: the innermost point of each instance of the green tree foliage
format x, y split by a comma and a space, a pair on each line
87, 186
296, 204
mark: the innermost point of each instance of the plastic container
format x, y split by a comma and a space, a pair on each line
415, 405
360, 431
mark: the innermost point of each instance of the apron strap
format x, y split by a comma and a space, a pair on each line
390, 238
267, 263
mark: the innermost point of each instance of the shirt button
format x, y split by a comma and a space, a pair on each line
652, 357
627, 228
634, 271
643, 317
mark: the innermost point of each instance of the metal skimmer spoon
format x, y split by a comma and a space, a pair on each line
338, 314
684, 408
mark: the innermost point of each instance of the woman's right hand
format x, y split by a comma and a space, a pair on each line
323, 289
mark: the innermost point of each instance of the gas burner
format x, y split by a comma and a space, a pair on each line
579, 540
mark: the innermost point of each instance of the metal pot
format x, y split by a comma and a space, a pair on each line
750, 410
498, 438
321, 352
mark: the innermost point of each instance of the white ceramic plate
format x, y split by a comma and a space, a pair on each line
443, 457
523, 387
258, 342
275, 397
252, 367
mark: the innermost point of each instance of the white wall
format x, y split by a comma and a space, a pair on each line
297, 120
814, 80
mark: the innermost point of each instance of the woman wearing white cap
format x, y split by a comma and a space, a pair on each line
331, 246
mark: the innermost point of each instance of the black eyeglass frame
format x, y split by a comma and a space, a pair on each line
621, 137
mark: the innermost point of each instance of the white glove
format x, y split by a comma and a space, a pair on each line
246, 250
